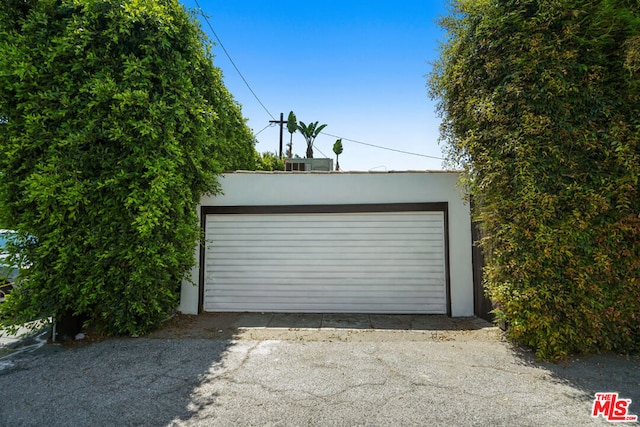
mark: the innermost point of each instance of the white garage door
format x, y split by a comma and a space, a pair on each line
382, 262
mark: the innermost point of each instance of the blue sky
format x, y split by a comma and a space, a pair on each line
359, 66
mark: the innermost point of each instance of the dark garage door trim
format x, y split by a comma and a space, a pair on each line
341, 208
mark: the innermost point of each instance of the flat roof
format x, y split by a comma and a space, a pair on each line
343, 172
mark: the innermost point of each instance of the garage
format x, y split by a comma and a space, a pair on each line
365, 258
333, 242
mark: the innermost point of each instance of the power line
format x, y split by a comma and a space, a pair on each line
233, 63
314, 146
382, 148
267, 126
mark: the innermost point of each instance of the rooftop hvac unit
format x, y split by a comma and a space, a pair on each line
304, 165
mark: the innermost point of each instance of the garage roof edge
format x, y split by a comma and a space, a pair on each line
341, 172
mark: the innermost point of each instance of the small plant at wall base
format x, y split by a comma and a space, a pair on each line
540, 106
337, 150
310, 132
116, 123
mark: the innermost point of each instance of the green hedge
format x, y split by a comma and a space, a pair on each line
114, 123
541, 105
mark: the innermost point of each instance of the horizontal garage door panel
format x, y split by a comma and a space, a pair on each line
342, 262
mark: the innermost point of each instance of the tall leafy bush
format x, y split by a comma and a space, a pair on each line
115, 122
540, 102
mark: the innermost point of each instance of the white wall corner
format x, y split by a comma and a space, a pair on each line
189, 291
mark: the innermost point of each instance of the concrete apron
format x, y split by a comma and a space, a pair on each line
323, 327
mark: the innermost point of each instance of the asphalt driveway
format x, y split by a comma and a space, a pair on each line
236, 370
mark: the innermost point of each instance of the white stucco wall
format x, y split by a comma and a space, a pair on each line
280, 188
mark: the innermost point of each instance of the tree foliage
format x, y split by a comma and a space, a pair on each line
337, 150
540, 102
268, 161
310, 132
115, 122
292, 127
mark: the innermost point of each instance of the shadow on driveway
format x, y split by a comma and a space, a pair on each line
596, 373
113, 382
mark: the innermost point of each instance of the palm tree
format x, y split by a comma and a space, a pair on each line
310, 132
337, 149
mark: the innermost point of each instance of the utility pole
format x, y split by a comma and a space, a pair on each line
281, 122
